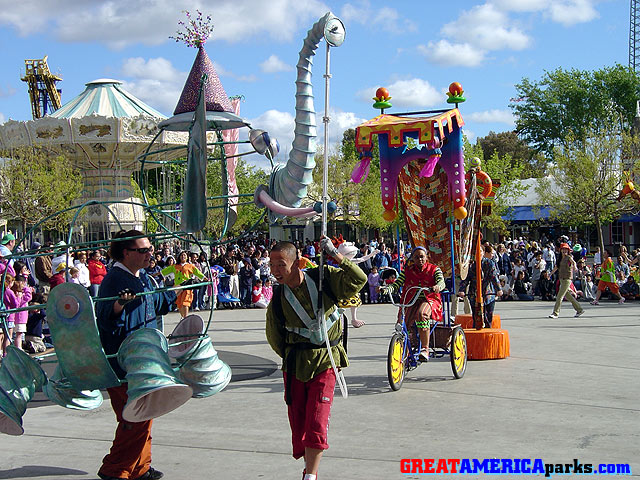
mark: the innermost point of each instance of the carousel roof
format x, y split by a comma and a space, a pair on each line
105, 97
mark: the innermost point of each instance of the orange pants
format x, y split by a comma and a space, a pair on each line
130, 454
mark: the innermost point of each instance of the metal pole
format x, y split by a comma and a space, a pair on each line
325, 171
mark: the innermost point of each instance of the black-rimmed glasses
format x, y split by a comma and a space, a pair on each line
142, 250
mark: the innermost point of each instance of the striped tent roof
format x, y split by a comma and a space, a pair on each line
105, 97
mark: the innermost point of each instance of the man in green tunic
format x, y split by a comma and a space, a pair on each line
293, 333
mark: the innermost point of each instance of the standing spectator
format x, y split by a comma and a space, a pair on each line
97, 272
43, 271
263, 264
7, 243
549, 256
84, 275
597, 258
565, 269
153, 270
246, 276
538, 266
130, 454
490, 286
35, 319
504, 262
382, 258
373, 280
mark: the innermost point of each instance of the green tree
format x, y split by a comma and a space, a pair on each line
248, 178
507, 171
572, 103
35, 185
585, 181
527, 160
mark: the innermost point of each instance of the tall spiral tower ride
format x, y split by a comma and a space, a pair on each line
634, 36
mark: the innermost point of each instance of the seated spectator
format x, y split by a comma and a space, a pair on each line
521, 287
507, 291
589, 288
547, 289
257, 298
630, 290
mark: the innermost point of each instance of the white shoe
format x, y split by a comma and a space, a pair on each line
579, 314
621, 301
553, 315
424, 355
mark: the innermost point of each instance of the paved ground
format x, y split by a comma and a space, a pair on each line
569, 390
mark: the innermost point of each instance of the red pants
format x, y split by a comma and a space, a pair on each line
130, 454
310, 410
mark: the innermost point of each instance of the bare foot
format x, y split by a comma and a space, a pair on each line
357, 323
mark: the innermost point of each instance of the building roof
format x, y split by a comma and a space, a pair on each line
105, 97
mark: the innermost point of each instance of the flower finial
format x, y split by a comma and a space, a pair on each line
196, 30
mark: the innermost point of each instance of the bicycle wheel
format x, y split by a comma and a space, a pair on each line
395, 362
458, 352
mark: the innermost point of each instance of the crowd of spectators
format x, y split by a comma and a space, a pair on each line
241, 270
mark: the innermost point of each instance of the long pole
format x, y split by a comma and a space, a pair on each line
325, 168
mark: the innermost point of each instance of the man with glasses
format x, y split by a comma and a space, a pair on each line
130, 454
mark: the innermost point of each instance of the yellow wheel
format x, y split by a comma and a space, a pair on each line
395, 362
458, 352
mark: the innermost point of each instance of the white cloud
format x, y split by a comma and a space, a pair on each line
279, 125
521, 5
445, 53
273, 64
566, 12
491, 116
486, 28
155, 81
1, 118
413, 92
385, 18
7, 92
570, 12
118, 23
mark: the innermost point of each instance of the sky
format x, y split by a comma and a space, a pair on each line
413, 48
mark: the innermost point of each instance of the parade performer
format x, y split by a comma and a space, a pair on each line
130, 454
420, 273
292, 332
565, 268
349, 250
607, 278
184, 272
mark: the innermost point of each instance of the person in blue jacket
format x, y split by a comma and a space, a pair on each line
130, 454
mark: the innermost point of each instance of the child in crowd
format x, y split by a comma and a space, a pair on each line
10, 301
58, 277
33, 338
589, 289
374, 282
75, 275
24, 293
546, 287
257, 297
267, 290
507, 291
